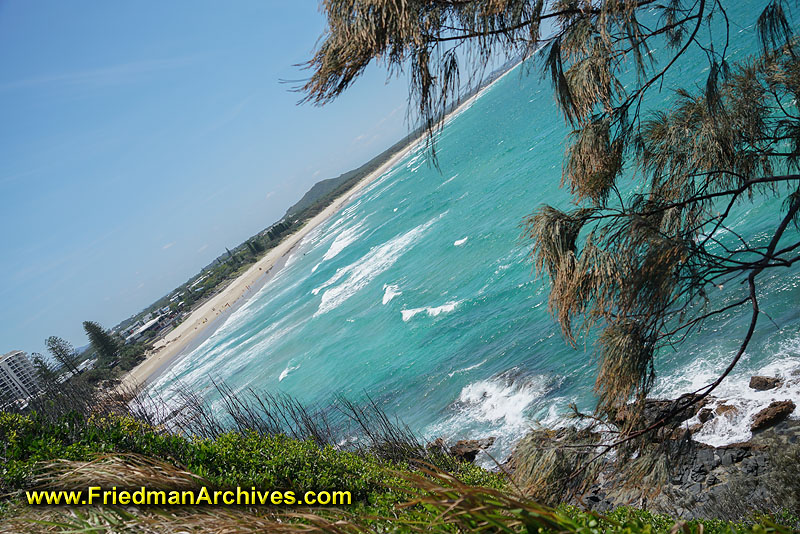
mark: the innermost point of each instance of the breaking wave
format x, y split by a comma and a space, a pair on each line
500, 406
431, 311
345, 238
286, 371
390, 292
347, 281
734, 426
503, 398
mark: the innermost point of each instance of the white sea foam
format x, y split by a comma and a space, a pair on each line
344, 216
381, 179
213, 358
734, 427
390, 292
460, 242
466, 369
503, 398
347, 281
431, 311
382, 191
312, 237
286, 372
343, 239
501, 405
347, 237
291, 259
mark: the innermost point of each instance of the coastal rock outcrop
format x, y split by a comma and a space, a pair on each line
705, 415
772, 414
678, 476
706, 481
466, 450
656, 409
763, 383
728, 410
438, 445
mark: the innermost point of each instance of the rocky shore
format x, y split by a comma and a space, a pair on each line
706, 481
686, 478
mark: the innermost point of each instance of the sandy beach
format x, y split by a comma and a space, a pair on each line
169, 348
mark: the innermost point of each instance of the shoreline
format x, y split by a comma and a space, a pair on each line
169, 349
204, 321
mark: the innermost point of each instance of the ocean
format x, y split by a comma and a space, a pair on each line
419, 293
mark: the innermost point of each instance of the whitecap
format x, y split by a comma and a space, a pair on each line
286, 372
734, 426
357, 275
466, 369
345, 238
390, 292
447, 181
431, 311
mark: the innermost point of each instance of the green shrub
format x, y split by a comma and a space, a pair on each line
468, 498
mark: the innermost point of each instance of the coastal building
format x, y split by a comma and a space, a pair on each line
17, 376
151, 327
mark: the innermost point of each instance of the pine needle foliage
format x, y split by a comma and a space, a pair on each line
634, 272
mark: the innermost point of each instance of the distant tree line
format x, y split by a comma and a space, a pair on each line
66, 373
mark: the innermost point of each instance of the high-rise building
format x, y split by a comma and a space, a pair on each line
17, 376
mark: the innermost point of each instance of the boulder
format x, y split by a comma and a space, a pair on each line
763, 383
772, 414
437, 445
705, 415
467, 449
728, 410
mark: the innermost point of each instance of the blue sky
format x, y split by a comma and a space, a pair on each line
139, 139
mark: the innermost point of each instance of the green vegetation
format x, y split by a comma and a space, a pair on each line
634, 270
274, 443
446, 496
70, 380
63, 352
104, 345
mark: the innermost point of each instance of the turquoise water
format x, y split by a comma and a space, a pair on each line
418, 293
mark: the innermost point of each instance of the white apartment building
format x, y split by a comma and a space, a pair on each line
17, 376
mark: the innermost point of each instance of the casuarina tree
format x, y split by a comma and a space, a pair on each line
637, 271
